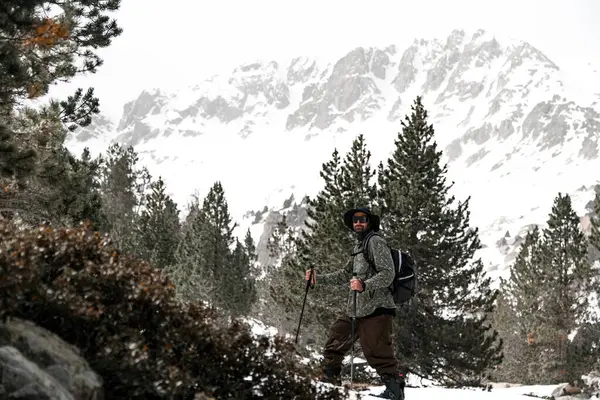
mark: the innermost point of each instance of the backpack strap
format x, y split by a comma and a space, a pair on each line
365, 250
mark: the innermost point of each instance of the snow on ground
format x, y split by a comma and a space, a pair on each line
437, 393
425, 390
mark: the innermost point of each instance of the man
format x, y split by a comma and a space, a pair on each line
375, 306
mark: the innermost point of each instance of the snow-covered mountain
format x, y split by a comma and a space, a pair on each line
514, 128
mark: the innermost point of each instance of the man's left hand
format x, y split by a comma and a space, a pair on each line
356, 284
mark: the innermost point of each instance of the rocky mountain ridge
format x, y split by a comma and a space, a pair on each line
514, 133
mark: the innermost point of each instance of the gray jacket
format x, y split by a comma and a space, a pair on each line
377, 293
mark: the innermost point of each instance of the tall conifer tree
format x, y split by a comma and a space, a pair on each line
568, 280
357, 185
216, 234
524, 295
241, 285
122, 185
327, 243
450, 320
319, 245
159, 227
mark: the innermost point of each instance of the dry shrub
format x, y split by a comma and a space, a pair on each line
124, 316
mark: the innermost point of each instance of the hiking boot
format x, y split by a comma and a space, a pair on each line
334, 380
331, 375
394, 387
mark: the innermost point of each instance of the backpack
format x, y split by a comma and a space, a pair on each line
404, 286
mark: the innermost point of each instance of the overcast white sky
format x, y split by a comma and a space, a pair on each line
175, 42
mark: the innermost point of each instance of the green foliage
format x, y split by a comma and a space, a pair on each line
525, 284
567, 281
322, 223
159, 227
41, 47
281, 245
45, 42
85, 193
517, 312
567, 271
122, 185
275, 309
595, 224
450, 320
516, 365
216, 240
211, 264
325, 243
57, 187
239, 287
16, 163
356, 182
549, 287
186, 273
123, 315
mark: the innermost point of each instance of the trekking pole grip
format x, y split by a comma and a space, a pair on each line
309, 283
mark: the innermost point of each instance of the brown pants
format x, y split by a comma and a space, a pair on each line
375, 335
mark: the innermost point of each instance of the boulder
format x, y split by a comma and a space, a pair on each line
37, 364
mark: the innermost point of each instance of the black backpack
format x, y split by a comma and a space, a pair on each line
404, 286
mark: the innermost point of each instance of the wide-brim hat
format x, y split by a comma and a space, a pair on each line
373, 219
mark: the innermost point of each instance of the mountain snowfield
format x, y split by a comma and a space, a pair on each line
515, 129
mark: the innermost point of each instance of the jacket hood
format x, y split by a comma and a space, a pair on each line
373, 219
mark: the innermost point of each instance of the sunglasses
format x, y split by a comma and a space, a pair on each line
360, 218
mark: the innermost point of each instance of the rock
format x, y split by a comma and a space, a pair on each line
567, 391
53, 357
203, 396
23, 379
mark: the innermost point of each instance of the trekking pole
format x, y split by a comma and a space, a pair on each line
312, 271
353, 335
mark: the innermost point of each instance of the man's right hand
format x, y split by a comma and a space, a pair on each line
314, 276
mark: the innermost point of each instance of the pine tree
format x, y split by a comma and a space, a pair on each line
240, 287
568, 280
206, 268
39, 49
525, 285
595, 222
455, 298
159, 227
217, 234
271, 306
356, 177
250, 249
327, 243
524, 295
281, 245
187, 271
123, 186
515, 365
88, 202
594, 241
70, 189
58, 185
205, 264
549, 285
16, 163
193, 208
322, 245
